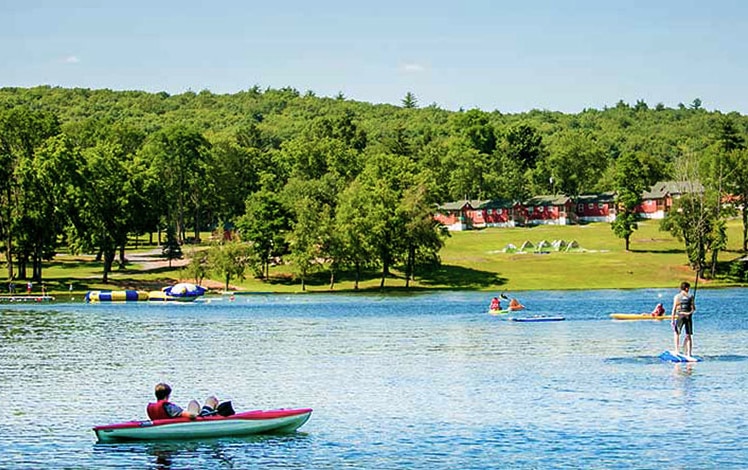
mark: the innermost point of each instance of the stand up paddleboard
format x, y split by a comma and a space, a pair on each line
672, 356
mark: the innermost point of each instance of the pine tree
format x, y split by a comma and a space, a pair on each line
171, 250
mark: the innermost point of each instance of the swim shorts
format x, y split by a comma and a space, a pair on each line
684, 321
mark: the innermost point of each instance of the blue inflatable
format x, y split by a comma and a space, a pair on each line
671, 356
184, 289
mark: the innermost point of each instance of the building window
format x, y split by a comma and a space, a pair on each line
581, 207
599, 205
591, 205
499, 211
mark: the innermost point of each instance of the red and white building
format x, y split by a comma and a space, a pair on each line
551, 210
596, 207
558, 210
471, 214
659, 199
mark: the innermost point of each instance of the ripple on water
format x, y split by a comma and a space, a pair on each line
424, 381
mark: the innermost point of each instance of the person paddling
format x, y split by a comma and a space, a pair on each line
495, 304
514, 305
684, 307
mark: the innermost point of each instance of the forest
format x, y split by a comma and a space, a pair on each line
329, 184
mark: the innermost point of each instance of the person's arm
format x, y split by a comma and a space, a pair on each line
176, 411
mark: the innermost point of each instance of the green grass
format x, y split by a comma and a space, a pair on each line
470, 260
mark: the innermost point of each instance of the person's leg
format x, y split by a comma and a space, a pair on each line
193, 407
211, 402
688, 341
687, 344
676, 338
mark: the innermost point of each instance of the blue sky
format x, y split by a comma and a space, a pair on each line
506, 55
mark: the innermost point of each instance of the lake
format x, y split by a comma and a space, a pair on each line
400, 381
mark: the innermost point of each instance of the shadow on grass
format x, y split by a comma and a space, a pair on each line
444, 277
461, 278
670, 251
321, 279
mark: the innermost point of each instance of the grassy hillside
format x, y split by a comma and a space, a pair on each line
470, 260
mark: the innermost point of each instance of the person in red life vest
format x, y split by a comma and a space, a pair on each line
164, 409
658, 311
495, 304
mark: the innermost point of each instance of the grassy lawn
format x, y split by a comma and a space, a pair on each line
470, 260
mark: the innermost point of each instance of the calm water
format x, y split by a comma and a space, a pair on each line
422, 381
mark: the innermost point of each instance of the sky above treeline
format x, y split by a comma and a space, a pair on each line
493, 55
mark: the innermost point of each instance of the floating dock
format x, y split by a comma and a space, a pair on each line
25, 298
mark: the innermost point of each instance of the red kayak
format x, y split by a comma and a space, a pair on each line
239, 424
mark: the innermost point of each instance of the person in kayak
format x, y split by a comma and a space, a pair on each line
164, 409
495, 304
514, 305
683, 307
658, 311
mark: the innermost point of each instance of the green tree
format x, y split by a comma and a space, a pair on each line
198, 266
263, 226
172, 249
737, 185
410, 101
229, 260
180, 157
22, 131
695, 215
103, 216
355, 227
423, 235
631, 180
576, 163
48, 182
304, 238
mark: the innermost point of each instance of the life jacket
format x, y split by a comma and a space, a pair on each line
157, 410
685, 303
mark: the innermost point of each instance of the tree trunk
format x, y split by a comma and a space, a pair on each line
197, 225
122, 260
409, 264
358, 275
385, 271
332, 279
9, 256
745, 223
108, 262
9, 238
628, 240
21, 267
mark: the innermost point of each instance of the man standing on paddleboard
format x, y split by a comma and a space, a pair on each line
683, 306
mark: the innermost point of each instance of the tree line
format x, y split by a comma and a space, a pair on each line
326, 184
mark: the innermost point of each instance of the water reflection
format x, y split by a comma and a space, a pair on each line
204, 453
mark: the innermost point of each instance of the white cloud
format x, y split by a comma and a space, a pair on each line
71, 59
412, 68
